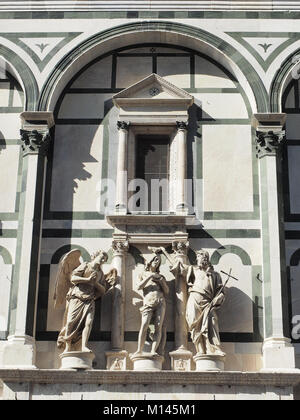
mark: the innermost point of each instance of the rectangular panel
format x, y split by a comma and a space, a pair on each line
83, 105
131, 70
175, 70
208, 75
227, 168
9, 162
221, 105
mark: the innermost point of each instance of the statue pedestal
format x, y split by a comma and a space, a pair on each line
77, 360
116, 360
181, 360
146, 361
209, 362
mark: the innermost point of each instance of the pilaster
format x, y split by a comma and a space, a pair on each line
35, 137
117, 357
278, 352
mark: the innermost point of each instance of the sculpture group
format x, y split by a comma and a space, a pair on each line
80, 284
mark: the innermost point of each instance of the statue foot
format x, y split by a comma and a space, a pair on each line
86, 349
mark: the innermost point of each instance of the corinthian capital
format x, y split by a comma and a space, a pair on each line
35, 142
268, 142
120, 247
181, 125
180, 247
123, 125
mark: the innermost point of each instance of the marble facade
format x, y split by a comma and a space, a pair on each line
222, 86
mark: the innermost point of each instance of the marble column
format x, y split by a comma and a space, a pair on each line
121, 182
117, 357
181, 206
35, 140
181, 356
278, 352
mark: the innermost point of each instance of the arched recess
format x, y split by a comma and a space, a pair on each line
67, 248
288, 71
24, 75
156, 32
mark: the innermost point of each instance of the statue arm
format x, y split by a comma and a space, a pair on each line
178, 269
143, 281
78, 279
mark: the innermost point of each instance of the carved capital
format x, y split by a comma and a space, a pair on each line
180, 248
268, 142
181, 125
123, 125
120, 247
35, 142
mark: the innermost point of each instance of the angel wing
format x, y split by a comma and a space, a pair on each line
67, 264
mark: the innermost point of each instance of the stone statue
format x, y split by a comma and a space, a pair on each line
205, 296
78, 285
155, 290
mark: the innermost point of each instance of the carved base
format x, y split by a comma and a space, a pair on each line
181, 360
77, 360
116, 360
209, 362
146, 361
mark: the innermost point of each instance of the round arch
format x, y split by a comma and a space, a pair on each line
24, 76
5, 254
67, 248
282, 79
157, 32
230, 249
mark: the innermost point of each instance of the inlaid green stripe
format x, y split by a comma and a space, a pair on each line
77, 233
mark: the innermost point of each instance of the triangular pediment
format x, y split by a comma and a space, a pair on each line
153, 87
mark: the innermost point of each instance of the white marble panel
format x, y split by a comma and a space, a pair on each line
75, 179
175, 70
131, 70
208, 75
9, 162
227, 168
221, 105
96, 76
83, 105
4, 93
10, 125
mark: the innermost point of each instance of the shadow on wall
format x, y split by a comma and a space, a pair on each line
75, 152
2, 142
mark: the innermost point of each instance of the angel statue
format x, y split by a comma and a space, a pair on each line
77, 286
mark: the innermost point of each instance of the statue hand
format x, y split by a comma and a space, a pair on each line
219, 300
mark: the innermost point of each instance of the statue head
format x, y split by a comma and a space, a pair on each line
203, 259
154, 263
98, 258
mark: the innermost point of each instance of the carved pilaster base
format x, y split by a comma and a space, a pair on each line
209, 362
77, 360
146, 361
116, 360
181, 360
